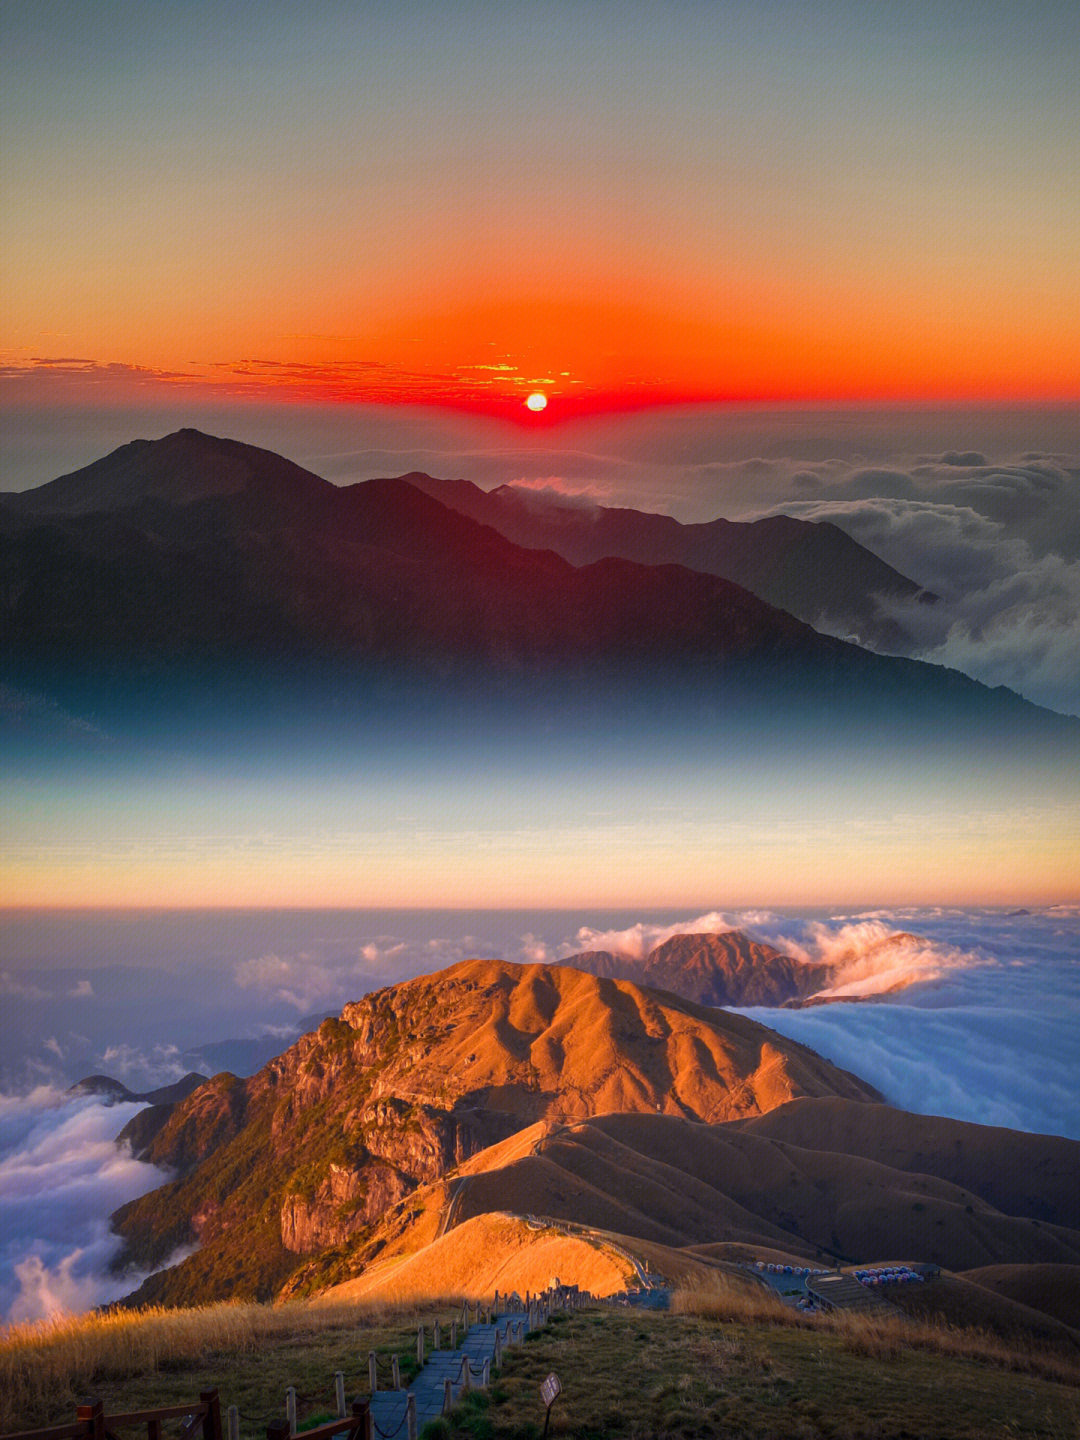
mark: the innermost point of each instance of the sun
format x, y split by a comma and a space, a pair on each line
537, 400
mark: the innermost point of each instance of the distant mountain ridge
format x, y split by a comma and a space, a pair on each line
728, 968
815, 570
115, 1092
184, 468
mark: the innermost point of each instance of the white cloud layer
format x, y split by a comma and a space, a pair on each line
61, 1176
998, 543
988, 1029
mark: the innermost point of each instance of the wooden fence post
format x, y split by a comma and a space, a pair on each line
211, 1425
466, 1374
495, 1303
485, 1372
447, 1396
498, 1348
410, 1416
233, 1417
436, 1345
361, 1409
372, 1372
91, 1413
339, 1394
395, 1373
290, 1408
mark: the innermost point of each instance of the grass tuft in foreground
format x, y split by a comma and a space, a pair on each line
721, 1297
630, 1374
137, 1359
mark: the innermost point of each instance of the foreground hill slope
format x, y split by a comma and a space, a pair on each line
1053, 1289
1018, 1173
415, 1079
706, 1193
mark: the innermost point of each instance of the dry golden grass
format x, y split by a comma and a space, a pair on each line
492, 1252
722, 1297
45, 1366
639, 1375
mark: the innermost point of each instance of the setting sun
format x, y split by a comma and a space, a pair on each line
537, 401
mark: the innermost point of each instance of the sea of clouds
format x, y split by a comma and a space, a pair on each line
985, 1028
61, 1176
998, 543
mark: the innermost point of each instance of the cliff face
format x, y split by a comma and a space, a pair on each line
412, 1081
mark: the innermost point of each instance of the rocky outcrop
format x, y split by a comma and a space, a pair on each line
345, 1203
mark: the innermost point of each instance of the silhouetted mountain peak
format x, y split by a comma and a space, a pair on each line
182, 468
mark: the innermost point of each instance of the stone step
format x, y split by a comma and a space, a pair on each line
389, 1414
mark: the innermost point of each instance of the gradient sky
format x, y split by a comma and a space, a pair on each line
614, 203
362, 233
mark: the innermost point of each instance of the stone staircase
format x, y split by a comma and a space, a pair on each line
481, 1346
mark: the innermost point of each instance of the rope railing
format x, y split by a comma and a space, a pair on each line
510, 1316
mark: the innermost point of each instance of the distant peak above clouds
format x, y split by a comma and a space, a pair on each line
179, 469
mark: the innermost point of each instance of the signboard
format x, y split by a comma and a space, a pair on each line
550, 1390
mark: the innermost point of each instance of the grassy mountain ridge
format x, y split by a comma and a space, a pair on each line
414, 1079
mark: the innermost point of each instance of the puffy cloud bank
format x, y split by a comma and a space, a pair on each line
995, 1066
998, 543
988, 1029
61, 1176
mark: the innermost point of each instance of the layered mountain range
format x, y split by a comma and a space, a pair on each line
172, 563
814, 570
412, 1081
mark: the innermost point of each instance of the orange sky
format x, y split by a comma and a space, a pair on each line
612, 204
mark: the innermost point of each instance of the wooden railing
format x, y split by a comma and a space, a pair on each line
356, 1426
92, 1423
